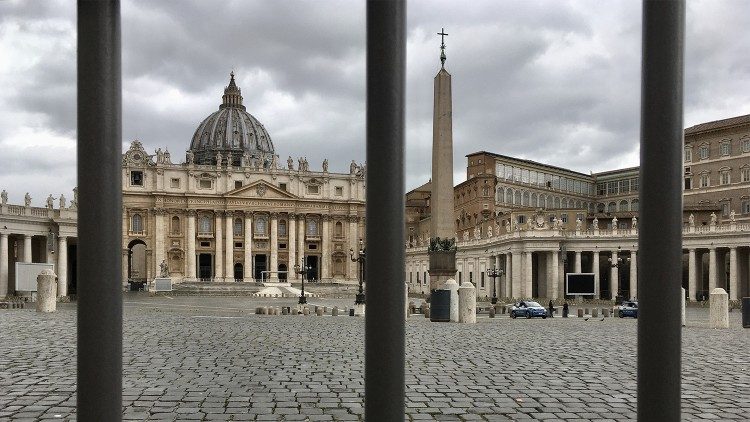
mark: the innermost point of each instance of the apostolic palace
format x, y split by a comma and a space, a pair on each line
233, 211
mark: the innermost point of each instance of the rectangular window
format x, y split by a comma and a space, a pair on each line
746, 145
688, 183
238, 244
703, 152
601, 189
282, 186
339, 191
745, 174
564, 218
499, 170
726, 148
312, 246
611, 188
704, 181
205, 244
205, 184
624, 186
313, 189
688, 154
508, 172
282, 245
136, 178
634, 184
174, 183
555, 182
481, 280
525, 176
725, 209
579, 217
725, 178
570, 185
237, 184
533, 179
746, 207
516, 174
521, 219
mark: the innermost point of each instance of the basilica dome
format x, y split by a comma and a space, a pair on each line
231, 132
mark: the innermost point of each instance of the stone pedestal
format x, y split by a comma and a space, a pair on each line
46, 291
467, 303
359, 309
683, 305
719, 302
452, 286
407, 305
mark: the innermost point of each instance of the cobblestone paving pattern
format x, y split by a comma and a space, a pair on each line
212, 359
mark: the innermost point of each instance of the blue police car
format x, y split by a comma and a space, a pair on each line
628, 308
528, 309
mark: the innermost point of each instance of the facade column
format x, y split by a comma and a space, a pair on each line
516, 266
62, 266
692, 285
190, 273
274, 239
229, 247
248, 244
595, 270
578, 262
712, 270
218, 249
353, 244
125, 255
325, 238
292, 245
158, 240
4, 264
633, 275
301, 240
733, 287
27, 248
528, 275
614, 280
554, 275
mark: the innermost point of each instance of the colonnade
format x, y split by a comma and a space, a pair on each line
25, 255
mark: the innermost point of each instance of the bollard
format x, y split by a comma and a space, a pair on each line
351, 312
452, 286
683, 300
580, 313
719, 303
305, 311
335, 311
285, 311
258, 310
412, 307
467, 303
746, 312
422, 307
264, 310
605, 312
503, 310
325, 310
595, 312
46, 291
492, 312
586, 311
427, 312
319, 311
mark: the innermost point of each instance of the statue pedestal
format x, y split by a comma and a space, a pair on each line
162, 284
442, 267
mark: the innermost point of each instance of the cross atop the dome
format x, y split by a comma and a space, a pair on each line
442, 47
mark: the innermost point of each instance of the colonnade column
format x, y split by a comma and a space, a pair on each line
125, 256
229, 247
301, 240
326, 252
218, 254
515, 281
27, 248
353, 244
504, 281
3, 264
712, 270
190, 273
528, 275
614, 276
292, 245
595, 270
62, 266
274, 239
158, 240
633, 274
578, 262
733, 287
692, 289
248, 244
554, 266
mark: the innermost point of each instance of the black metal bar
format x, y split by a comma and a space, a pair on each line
384, 332
99, 212
660, 237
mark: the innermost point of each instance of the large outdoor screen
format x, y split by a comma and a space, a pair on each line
579, 284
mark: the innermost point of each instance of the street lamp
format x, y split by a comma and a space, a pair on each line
301, 271
494, 273
360, 258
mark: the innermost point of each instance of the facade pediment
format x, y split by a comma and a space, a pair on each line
260, 189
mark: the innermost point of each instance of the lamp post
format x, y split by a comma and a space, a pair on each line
494, 273
616, 263
360, 258
301, 271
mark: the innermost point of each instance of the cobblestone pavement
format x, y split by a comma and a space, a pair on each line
212, 359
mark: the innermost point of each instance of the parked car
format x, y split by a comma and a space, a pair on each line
528, 309
628, 308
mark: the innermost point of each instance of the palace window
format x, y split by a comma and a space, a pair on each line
624, 186
136, 223
525, 176
339, 191
634, 205
746, 206
205, 183
725, 177
725, 209
688, 183
312, 227
703, 152
555, 182
205, 224
746, 145
237, 229
601, 189
282, 228
705, 180
725, 148
611, 207
623, 205
688, 154
611, 188
282, 186
313, 189
237, 184
745, 174
174, 183
521, 219
175, 227
338, 229
564, 218
136, 178
261, 226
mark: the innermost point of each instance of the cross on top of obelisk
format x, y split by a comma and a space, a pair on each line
442, 47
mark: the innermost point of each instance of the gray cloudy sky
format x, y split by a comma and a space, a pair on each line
552, 81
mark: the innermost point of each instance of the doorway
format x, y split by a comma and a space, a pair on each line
312, 263
205, 266
239, 274
260, 266
137, 260
282, 272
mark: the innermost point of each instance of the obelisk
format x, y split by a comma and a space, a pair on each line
442, 259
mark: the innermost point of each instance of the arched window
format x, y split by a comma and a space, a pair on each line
526, 198
634, 205
600, 207
611, 207
136, 223
237, 227
205, 224
261, 224
175, 228
534, 200
557, 202
338, 229
312, 227
517, 198
282, 228
623, 205
501, 195
509, 196
565, 203
543, 201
